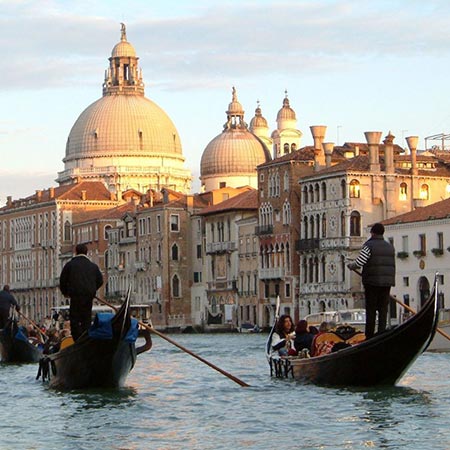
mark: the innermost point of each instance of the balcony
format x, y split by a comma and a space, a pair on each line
264, 229
304, 245
140, 265
225, 285
220, 247
271, 273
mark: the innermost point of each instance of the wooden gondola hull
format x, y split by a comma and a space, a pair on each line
382, 360
91, 364
16, 350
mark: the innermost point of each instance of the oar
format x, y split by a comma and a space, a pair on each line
34, 324
277, 315
161, 335
408, 308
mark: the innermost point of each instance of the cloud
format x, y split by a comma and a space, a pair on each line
206, 43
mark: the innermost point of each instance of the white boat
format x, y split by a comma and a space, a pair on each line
440, 343
353, 317
248, 327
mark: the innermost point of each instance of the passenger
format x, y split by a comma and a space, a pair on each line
282, 338
317, 349
303, 338
7, 300
53, 341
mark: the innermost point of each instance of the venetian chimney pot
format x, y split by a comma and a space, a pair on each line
412, 142
328, 148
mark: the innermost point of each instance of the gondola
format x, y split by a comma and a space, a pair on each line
15, 347
381, 360
102, 357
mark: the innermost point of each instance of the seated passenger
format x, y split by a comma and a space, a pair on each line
303, 338
282, 338
317, 349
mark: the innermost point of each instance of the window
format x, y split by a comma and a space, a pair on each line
199, 251
406, 281
105, 234
174, 222
287, 290
175, 286
405, 246
422, 243
440, 240
403, 191
67, 231
222, 184
355, 191
174, 252
197, 277
424, 192
355, 224
343, 189
158, 223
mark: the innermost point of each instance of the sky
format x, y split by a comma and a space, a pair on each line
352, 65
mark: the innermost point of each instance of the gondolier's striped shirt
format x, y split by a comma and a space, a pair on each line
363, 256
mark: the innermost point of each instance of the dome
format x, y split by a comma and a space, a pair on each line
233, 152
286, 112
258, 121
118, 124
123, 48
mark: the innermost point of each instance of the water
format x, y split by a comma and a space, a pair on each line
173, 401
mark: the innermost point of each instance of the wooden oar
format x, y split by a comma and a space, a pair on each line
161, 335
34, 324
408, 308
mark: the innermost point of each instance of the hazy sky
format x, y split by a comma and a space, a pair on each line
355, 66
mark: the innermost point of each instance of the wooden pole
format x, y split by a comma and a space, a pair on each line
163, 336
34, 324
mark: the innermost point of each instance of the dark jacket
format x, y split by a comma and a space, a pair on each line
80, 278
380, 268
6, 301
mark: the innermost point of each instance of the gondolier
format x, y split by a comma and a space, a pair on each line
377, 261
6, 301
79, 280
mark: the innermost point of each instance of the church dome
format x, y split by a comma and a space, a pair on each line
231, 157
286, 112
120, 124
258, 121
123, 138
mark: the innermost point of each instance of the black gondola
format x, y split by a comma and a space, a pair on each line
15, 347
100, 358
381, 360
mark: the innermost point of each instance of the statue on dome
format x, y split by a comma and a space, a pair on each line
123, 32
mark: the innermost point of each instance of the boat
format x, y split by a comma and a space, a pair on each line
102, 357
248, 327
354, 317
381, 360
16, 347
441, 341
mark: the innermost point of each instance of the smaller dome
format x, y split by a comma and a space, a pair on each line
123, 48
234, 108
286, 112
258, 121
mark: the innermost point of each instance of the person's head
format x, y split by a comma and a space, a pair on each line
81, 249
285, 325
324, 327
6, 287
302, 327
377, 229
313, 329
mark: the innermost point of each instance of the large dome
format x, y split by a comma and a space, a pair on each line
118, 124
124, 139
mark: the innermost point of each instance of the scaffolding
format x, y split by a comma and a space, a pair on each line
437, 137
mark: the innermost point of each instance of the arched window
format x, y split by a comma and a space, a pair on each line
424, 192
293, 147
305, 194
174, 252
286, 148
105, 233
324, 191
403, 194
324, 225
355, 224
305, 227
343, 189
175, 286
355, 189
286, 181
343, 227
316, 193
67, 231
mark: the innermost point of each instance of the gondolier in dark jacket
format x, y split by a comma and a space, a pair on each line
79, 281
377, 261
6, 301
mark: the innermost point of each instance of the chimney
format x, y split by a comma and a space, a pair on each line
356, 150
318, 134
328, 148
83, 195
373, 140
389, 153
412, 145
38, 195
9, 201
51, 192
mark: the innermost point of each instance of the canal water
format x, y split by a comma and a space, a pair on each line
173, 401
